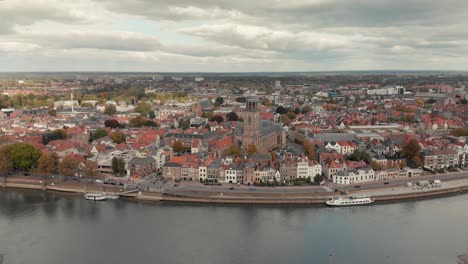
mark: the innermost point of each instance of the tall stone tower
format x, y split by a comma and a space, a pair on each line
251, 124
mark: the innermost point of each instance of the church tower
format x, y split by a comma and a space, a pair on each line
251, 124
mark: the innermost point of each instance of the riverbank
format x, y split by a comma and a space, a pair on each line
381, 195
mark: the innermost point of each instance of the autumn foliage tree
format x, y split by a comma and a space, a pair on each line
90, 168
412, 150
112, 123
233, 150
178, 147
69, 166
117, 136
21, 155
251, 149
309, 150
48, 163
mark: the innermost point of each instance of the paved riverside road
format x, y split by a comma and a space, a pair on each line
198, 190
390, 183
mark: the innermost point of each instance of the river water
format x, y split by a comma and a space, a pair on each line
55, 228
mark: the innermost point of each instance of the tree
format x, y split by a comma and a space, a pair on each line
151, 114
52, 112
241, 99
69, 166
90, 168
117, 136
208, 127
285, 119
48, 163
375, 165
110, 109
99, 133
150, 123
144, 108
309, 150
273, 156
138, 121
219, 101
178, 147
297, 110
112, 123
57, 134
233, 150
217, 118
266, 102
184, 124
291, 115
23, 155
306, 109
118, 166
5, 162
359, 155
460, 132
281, 110
251, 149
232, 116
411, 151
318, 179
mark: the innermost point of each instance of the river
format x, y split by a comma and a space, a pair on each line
56, 228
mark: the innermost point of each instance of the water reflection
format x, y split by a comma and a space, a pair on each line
34, 223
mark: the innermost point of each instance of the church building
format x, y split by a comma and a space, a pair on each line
265, 135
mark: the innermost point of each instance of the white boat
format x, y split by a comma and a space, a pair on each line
349, 201
111, 196
95, 196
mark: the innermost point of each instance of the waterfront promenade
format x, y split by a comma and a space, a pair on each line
382, 192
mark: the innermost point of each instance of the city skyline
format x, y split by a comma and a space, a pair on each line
223, 36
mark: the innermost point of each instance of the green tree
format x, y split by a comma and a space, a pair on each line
57, 134
178, 147
359, 155
99, 133
306, 109
318, 179
219, 101
48, 163
184, 124
144, 108
217, 118
150, 123
232, 116
151, 114
118, 166
110, 109
23, 155
117, 136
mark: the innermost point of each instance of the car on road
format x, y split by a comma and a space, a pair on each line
357, 186
175, 185
99, 181
386, 183
231, 188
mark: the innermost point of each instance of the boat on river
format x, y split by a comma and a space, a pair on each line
350, 201
95, 196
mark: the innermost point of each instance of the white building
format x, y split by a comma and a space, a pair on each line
354, 176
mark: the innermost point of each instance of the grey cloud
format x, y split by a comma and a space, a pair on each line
95, 40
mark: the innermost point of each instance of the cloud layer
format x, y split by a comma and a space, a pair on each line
241, 35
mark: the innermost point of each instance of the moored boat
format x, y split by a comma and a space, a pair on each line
95, 196
349, 201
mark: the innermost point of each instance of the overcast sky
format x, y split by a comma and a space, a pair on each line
234, 35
